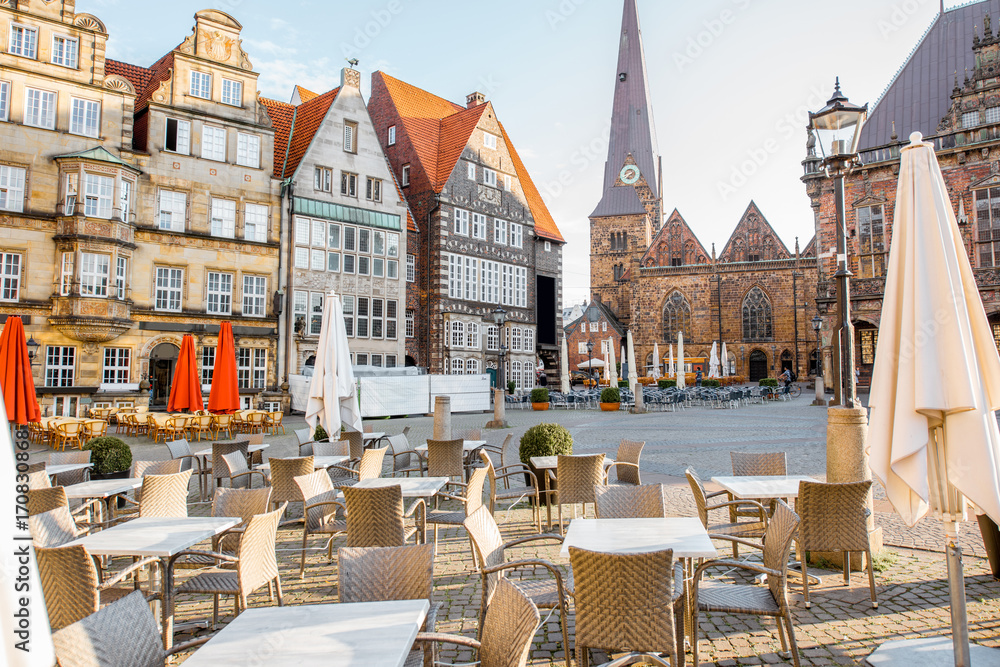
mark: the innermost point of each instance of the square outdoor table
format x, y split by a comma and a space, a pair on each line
685, 535
323, 635
412, 487
763, 487
66, 467
161, 538
319, 463
467, 446
103, 489
543, 463
250, 450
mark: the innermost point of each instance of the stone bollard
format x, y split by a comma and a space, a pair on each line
499, 410
640, 404
442, 418
820, 392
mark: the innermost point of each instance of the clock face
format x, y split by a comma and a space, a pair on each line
629, 174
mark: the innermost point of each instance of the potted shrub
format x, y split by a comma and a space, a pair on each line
544, 440
666, 384
623, 384
320, 435
540, 399
710, 383
611, 399
511, 387
111, 457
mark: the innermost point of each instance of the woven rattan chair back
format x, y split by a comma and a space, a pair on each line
777, 545
236, 464
577, 476
142, 468
243, 503
46, 500
699, 493
476, 486
375, 517
508, 629
508, 452
470, 434
337, 448
94, 428
370, 466
629, 451
283, 474
303, 435
356, 439
39, 479
613, 591
255, 439
220, 449
400, 447
753, 464
258, 562
834, 516
316, 487
75, 476
53, 528
123, 634
488, 543
630, 502
165, 495
445, 458
69, 583
179, 449
375, 574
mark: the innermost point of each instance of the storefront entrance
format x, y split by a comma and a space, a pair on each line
161, 372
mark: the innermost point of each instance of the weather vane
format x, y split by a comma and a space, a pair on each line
353, 62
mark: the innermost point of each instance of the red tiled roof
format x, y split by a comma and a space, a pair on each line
305, 95
545, 225
454, 137
138, 76
308, 118
282, 116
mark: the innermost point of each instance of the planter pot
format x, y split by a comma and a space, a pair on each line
540, 407
610, 407
991, 540
112, 475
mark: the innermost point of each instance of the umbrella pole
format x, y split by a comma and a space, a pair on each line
956, 586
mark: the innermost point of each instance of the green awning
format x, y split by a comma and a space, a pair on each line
349, 214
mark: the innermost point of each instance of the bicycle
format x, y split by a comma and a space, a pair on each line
794, 390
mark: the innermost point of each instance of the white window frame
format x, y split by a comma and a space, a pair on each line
472, 366
10, 276
254, 296
479, 224
350, 137
121, 277
499, 231
391, 139
173, 210
373, 189
411, 268
20, 50
213, 143
223, 218
473, 340
322, 179
85, 117
229, 87
317, 260
471, 279
316, 300
66, 273
457, 335
362, 317
251, 367
248, 150
490, 140
98, 195
461, 225
62, 60
520, 287
455, 274
489, 177
12, 187
472, 172
516, 234
349, 184
458, 366
507, 183
405, 177
349, 315
4, 100
169, 291
95, 275
219, 287
492, 338
255, 223
410, 330
117, 365
60, 365
300, 310
207, 364
201, 85
377, 326
45, 115
182, 136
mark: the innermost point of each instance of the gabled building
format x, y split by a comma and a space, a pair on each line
598, 326
657, 278
482, 239
344, 223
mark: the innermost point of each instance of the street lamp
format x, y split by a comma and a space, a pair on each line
500, 318
590, 363
817, 323
33, 346
837, 129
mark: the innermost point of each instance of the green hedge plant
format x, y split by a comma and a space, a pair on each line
666, 384
611, 395
540, 395
109, 455
320, 435
710, 383
768, 382
545, 440
623, 384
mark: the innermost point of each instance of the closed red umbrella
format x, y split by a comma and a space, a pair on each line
185, 394
15, 375
224, 398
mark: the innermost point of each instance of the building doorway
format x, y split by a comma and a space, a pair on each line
758, 365
162, 361
786, 362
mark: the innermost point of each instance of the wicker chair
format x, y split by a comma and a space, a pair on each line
201, 425
834, 518
404, 459
499, 454
375, 517
76, 476
239, 473
471, 500
222, 423
274, 421
377, 574
181, 450
357, 443
320, 513
220, 449
123, 634
139, 470
492, 562
577, 476
94, 428
283, 474
50, 520
369, 467
507, 631
68, 433
72, 585
630, 502
243, 503
747, 529
339, 475
54, 497
626, 463
445, 458
614, 591
515, 493
755, 464
754, 600
163, 495
304, 436
255, 563
39, 479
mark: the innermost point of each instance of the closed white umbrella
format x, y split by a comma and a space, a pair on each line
592, 363
333, 397
633, 377
713, 361
933, 435
725, 361
17, 559
612, 363
625, 362
564, 368
607, 363
657, 362
681, 368
671, 367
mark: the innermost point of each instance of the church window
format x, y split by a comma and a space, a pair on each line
871, 234
757, 316
676, 317
988, 226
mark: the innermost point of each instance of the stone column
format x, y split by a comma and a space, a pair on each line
442, 418
499, 410
640, 406
820, 391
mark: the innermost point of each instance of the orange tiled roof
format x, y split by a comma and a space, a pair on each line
282, 117
308, 118
454, 137
545, 225
305, 95
138, 76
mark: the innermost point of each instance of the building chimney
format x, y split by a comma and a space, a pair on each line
350, 78
474, 100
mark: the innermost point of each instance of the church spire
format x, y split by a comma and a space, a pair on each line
633, 135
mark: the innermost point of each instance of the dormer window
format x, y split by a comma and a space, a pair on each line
23, 41
201, 85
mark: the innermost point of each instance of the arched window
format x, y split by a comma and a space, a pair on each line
757, 316
676, 317
624, 241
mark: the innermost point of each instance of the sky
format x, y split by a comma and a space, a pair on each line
731, 83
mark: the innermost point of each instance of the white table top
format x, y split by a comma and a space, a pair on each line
759, 488
319, 463
102, 488
467, 446
373, 436
66, 467
159, 537
250, 449
552, 462
412, 487
323, 635
686, 536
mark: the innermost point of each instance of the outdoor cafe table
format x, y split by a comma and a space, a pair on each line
322, 635
60, 468
161, 538
319, 463
103, 489
412, 487
763, 487
543, 463
467, 446
205, 453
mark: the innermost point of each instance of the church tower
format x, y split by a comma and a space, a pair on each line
629, 213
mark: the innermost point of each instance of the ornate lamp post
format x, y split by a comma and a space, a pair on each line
817, 324
590, 367
499, 318
33, 346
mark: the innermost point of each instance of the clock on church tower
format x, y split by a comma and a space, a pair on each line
629, 174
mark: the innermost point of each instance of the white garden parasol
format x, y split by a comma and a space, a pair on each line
657, 362
671, 368
564, 367
681, 366
333, 398
725, 361
713, 362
